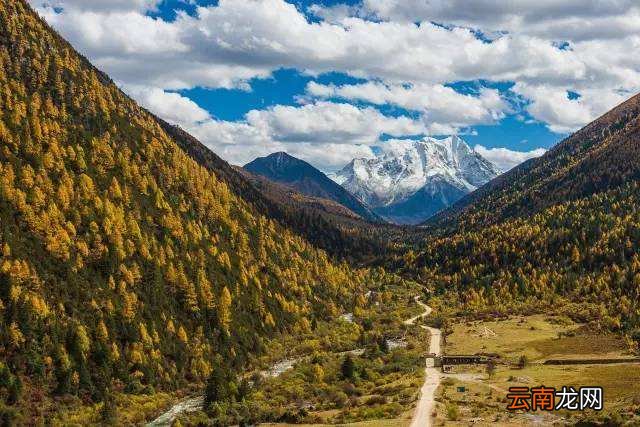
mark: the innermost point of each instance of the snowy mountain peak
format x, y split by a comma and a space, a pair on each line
443, 168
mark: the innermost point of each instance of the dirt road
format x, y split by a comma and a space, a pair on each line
426, 403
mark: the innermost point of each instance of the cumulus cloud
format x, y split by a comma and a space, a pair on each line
172, 107
506, 159
236, 40
331, 123
326, 134
241, 142
560, 112
408, 65
552, 19
101, 6
440, 105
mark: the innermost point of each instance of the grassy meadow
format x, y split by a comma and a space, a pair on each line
522, 344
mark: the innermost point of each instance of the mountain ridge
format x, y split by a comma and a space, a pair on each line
411, 180
576, 167
306, 179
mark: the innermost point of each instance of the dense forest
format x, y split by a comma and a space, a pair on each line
563, 226
133, 259
601, 156
124, 264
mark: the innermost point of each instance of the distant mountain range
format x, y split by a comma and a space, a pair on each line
306, 179
410, 181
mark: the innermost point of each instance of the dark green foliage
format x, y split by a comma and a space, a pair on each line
348, 368
221, 385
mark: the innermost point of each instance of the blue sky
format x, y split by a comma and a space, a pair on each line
331, 80
518, 131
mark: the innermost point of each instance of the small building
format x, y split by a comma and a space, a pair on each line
463, 359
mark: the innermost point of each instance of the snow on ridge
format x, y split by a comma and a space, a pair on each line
402, 167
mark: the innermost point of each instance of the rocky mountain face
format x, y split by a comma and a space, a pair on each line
409, 181
306, 179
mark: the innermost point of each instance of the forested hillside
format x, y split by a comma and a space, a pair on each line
601, 156
123, 262
560, 229
340, 235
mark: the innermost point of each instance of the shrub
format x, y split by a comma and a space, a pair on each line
376, 400
453, 412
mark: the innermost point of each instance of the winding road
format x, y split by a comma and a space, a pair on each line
424, 409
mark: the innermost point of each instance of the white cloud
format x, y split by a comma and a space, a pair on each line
99, 5
329, 122
440, 105
172, 107
328, 135
237, 40
551, 19
506, 159
408, 64
329, 157
552, 105
240, 142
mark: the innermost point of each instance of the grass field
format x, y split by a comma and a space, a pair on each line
538, 338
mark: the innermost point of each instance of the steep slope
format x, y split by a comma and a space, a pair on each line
411, 180
601, 156
301, 176
285, 195
561, 231
123, 262
340, 235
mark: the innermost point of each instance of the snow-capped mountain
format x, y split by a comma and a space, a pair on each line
409, 181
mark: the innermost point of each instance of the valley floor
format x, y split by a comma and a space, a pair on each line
470, 395
467, 394
376, 404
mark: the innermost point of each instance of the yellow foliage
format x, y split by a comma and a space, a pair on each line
16, 338
182, 335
